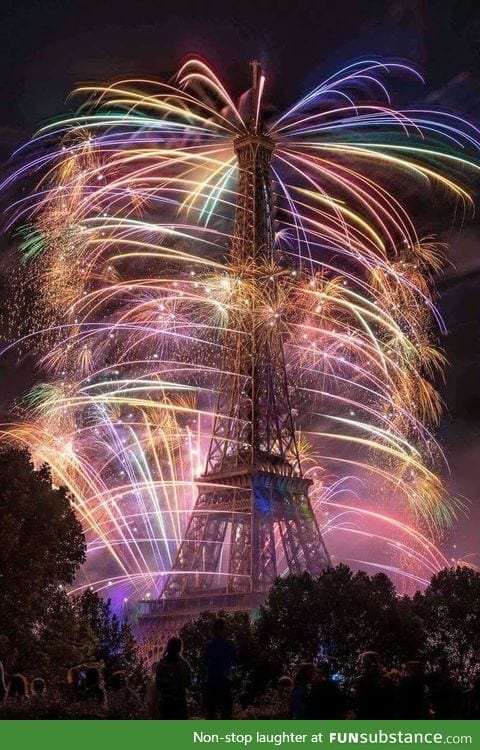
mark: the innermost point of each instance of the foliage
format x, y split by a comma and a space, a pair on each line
274, 704
115, 648
54, 705
41, 549
65, 638
42, 631
288, 622
337, 616
450, 610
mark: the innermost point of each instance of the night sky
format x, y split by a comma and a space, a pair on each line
49, 46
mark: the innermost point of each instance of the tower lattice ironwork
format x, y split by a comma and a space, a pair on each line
253, 507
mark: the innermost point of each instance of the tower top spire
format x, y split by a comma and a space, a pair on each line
256, 72
258, 80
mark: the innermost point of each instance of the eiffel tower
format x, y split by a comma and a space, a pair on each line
253, 513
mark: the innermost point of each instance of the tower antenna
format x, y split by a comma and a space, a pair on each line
257, 84
256, 70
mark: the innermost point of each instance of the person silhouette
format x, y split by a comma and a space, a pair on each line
471, 708
412, 692
373, 694
38, 687
72, 689
18, 688
150, 698
3, 686
93, 691
216, 666
326, 699
299, 699
443, 690
173, 677
122, 700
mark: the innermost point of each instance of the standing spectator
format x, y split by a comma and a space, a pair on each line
284, 687
412, 693
216, 673
373, 694
326, 700
280, 696
151, 698
443, 690
3, 687
123, 702
299, 700
75, 683
93, 691
471, 696
38, 687
173, 679
394, 676
18, 688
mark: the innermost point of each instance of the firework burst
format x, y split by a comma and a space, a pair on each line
126, 240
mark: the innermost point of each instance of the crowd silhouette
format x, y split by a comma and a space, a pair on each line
375, 693
315, 691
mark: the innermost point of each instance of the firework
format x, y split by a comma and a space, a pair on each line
125, 235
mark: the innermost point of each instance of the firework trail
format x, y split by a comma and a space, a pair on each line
124, 226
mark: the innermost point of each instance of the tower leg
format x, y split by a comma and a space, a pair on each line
198, 555
264, 554
240, 566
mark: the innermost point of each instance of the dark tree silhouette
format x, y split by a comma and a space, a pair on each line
337, 616
41, 548
65, 640
115, 648
450, 610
